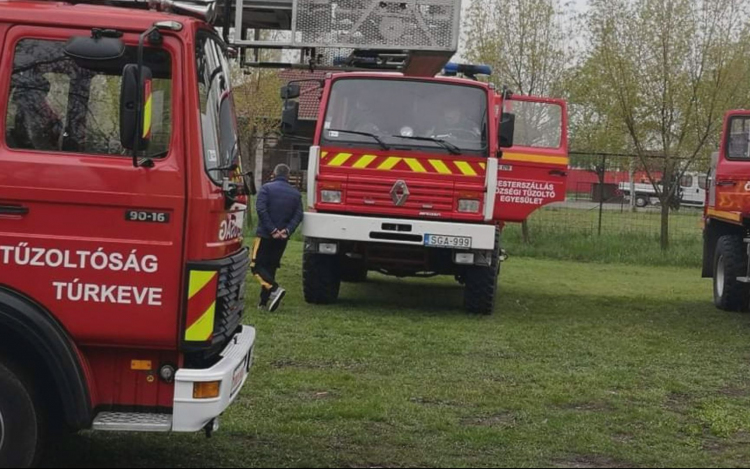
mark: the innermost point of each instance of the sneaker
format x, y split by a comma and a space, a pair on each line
275, 301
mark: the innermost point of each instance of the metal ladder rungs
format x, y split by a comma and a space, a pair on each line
132, 422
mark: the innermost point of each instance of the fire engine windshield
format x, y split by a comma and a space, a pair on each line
221, 148
412, 114
58, 105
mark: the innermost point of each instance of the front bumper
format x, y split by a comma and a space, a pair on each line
393, 230
192, 415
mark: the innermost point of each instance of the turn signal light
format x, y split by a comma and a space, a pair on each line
209, 390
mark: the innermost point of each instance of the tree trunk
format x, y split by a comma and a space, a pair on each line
666, 203
665, 224
525, 231
631, 177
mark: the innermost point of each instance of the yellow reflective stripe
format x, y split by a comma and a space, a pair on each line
440, 167
389, 163
203, 327
364, 162
198, 280
466, 168
561, 160
340, 159
415, 165
323, 154
733, 216
483, 165
147, 116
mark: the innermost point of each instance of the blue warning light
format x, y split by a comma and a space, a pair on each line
452, 69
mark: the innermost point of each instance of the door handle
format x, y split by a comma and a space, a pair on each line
726, 183
13, 210
558, 172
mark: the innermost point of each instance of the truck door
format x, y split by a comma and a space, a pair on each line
692, 188
730, 186
533, 172
95, 240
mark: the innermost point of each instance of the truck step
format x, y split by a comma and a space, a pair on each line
132, 422
743, 279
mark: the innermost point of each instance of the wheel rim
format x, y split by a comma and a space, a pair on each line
2, 431
720, 277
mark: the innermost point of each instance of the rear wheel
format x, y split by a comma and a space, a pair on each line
641, 201
20, 420
730, 262
321, 278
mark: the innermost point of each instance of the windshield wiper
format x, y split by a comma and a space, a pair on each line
452, 149
365, 134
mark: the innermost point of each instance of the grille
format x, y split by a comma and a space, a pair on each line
379, 24
230, 301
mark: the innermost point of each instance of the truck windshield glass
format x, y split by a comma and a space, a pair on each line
739, 139
538, 125
391, 108
57, 105
221, 149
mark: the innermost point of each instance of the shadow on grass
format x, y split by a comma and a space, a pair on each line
391, 296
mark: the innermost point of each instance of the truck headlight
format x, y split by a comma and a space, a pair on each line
330, 197
468, 206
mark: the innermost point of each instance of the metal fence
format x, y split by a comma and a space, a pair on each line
613, 195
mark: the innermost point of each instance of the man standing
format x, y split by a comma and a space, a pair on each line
279, 214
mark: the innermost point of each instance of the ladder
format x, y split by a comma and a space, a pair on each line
417, 37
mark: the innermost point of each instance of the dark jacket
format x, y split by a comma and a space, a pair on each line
279, 207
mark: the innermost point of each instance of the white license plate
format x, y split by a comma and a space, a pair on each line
441, 241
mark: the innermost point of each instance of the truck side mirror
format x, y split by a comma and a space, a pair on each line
290, 91
290, 117
129, 113
507, 129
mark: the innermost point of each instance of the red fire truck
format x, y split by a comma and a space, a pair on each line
121, 223
726, 241
415, 176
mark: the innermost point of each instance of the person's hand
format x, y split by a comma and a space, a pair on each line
276, 234
284, 234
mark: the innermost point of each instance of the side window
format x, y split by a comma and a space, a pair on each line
738, 145
538, 125
703, 182
59, 105
221, 149
687, 181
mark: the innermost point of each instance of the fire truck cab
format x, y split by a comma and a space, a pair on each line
726, 233
122, 210
416, 176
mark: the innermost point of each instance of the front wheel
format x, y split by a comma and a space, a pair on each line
480, 290
321, 278
730, 262
20, 421
641, 201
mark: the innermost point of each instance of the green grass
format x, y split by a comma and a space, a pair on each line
629, 238
584, 365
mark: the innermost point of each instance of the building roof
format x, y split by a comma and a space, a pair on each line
310, 91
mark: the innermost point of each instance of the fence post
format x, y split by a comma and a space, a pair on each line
602, 176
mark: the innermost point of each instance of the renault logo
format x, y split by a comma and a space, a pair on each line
400, 193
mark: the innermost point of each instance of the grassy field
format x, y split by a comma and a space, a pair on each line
584, 365
627, 237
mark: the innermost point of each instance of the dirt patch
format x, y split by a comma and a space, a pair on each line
501, 420
317, 395
316, 365
591, 461
434, 402
736, 391
678, 402
592, 406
